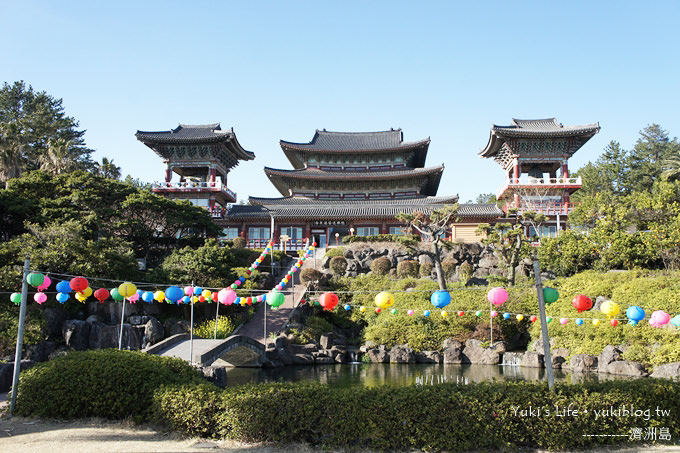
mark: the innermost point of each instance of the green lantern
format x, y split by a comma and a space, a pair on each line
550, 295
35, 279
15, 298
116, 295
276, 299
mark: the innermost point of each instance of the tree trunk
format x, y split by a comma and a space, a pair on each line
438, 266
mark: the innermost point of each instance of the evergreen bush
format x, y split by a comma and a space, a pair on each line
408, 268
239, 243
426, 269
335, 251
338, 265
104, 383
465, 271
381, 266
225, 326
309, 275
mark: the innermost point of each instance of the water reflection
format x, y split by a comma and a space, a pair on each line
376, 374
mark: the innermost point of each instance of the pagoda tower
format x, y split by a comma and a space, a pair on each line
202, 156
356, 166
534, 154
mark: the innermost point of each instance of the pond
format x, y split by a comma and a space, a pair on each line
376, 374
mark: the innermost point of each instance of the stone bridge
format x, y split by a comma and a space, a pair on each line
237, 350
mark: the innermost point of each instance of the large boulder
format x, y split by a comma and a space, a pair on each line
54, 318
402, 354
7, 373
40, 352
303, 359
559, 357
667, 370
174, 327
609, 354
581, 363
76, 334
285, 356
153, 331
429, 357
532, 360
452, 352
378, 355
626, 368
473, 352
215, 374
326, 340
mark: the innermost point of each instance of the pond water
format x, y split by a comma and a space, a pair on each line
376, 374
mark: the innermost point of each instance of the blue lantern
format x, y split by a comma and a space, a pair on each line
440, 298
64, 287
197, 291
174, 293
635, 314
506, 315
186, 299
62, 297
675, 320
579, 322
426, 313
147, 296
347, 307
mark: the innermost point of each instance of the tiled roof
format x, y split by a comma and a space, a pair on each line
287, 201
314, 173
344, 211
538, 129
355, 141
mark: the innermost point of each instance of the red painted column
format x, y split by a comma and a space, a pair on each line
565, 170
515, 170
211, 175
168, 174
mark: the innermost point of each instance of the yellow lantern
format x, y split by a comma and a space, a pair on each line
519, 317
206, 294
444, 314
127, 289
159, 296
362, 309
609, 308
596, 322
81, 297
87, 292
384, 300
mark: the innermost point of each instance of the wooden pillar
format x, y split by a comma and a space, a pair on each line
383, 228
212, 175
168, 174
565, 170
515, 170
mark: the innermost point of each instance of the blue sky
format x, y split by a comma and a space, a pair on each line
280, 70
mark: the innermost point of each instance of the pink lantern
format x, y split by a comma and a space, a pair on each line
497, 296
494, 313
564, 321
410, 312
44, 285
659, 318
41, 298
226, 296
134, 297
189, 290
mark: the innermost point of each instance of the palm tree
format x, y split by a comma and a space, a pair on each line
671, 168
58, 159
11, 152
108, 169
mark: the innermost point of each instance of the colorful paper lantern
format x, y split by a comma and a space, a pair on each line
384, 300
62, 297
478, 313
550, 295
614, 322
426, 313
497, 296
189, 290
147, 296
347, 307
461, 313
45, 284
116, 295
35, 279
659, 318
378, 310
410, 312
174, 293
519, 317
275, 299
63, 287
494, 313
328, 301
596, 322
635, 314
548, 320
564, 321
444, 314
101, 294
127, 289
226, 296
609, 308
506, 315
40, 298
362, 309
533, 318
159, 296
579, 322
15, 298
676, 321
78, 283
582, 303
440, 298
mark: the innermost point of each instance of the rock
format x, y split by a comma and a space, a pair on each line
272, 354
303, 359
340, 340
7, 373
280, 342
54, 320
324, 360
626, 368
326, 340
452, 351
667, 370
378, 355
40, 352
174, 327
285, 356
609, 354
429, 357
402, 354
272, 364
583, 362
94, 318
451, 343
559, 357
532, 360
76, 334
153, 331
134, 320
366, 346
473, 352
476, 281
425, 259
215, 374
499, 346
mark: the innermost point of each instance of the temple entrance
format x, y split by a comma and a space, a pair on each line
319, 236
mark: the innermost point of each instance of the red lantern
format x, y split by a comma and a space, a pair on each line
101, 294
249, 300
215, 296
201, 299
378, 310
614, 322
533, 318
78, 284
582, 303
461, 313
328, 301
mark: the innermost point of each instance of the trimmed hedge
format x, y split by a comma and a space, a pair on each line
104, 383
381, 266
406, 239
338, 265
446, 417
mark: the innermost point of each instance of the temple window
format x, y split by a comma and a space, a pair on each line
229, 233
259, 233
292, 232
397, 230
368, 231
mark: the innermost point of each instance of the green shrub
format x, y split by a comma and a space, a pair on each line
225, 326
335, 251
381, 266
449, 267
408, 268
308, 275
445, 417
426, 269
465, 271
338, 265
239, 243
100, 383
406, 239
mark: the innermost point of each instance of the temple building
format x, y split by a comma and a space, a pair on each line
534, 155
202, 156
348, 183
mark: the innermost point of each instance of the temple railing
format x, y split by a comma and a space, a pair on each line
191, 186
548, 208
541, 183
